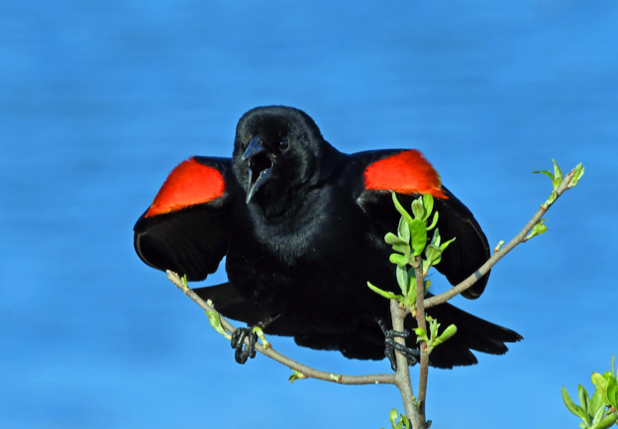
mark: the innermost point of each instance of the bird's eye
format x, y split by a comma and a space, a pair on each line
283, 144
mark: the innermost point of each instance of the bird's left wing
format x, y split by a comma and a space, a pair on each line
186, 228
409, 174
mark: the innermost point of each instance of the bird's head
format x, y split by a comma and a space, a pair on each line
278, 153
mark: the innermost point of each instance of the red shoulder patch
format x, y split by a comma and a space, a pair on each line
190, 183
407, 173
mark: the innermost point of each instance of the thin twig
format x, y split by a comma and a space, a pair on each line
402, 376
420, 320
519, 238
306, 371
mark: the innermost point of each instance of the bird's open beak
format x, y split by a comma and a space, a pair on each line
260, 166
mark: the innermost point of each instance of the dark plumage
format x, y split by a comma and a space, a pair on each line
302, 226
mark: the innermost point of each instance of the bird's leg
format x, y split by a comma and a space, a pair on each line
391, 345
244, 351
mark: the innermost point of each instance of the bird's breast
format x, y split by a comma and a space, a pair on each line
308, 271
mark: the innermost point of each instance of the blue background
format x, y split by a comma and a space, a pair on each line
100, 100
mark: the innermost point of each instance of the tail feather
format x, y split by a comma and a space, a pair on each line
473, 333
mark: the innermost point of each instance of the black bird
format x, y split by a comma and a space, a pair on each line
302, 226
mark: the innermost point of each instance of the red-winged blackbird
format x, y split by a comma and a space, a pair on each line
302, 226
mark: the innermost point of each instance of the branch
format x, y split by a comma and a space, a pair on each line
420, 320
402, 376
499, 254
306, 371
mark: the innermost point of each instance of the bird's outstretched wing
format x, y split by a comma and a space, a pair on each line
409, 174
186, 228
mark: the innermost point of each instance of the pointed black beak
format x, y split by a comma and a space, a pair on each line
255, 147
260, 166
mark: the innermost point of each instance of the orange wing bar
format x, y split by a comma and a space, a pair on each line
406, 173
190, 183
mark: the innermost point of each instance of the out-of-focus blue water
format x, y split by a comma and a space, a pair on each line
100, 100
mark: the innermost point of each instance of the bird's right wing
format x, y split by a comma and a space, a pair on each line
409, 174
186, 228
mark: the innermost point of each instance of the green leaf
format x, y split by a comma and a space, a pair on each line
410, 301
443, 246
550, 175
296, 375
614, 401
418, 210
183, 281
597, 401
448, 333
402, 248
499, 245
412, 275
583, 397
597, 417
434, 222
599, 380
403, 230
418, 230
398, 259
215, 320
428, 203
400, 209
612, 368
433, 326
537, 229
392, 239
392, 416
421, 335
435, 238
426, 266
611, 394
575, 409
557, 174
411, 295
433, 254
385, 294
260, 333
406, 422
579, 172
402, 279
607, 422
552, 197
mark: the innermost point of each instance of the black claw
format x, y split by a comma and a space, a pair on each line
243, 351
389, 352
391, 346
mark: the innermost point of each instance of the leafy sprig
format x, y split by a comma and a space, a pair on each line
598, 411
410, 242
557, 178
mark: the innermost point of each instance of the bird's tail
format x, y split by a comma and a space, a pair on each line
473, 333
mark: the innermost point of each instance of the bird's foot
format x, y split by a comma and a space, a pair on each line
244, 351
391, 346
